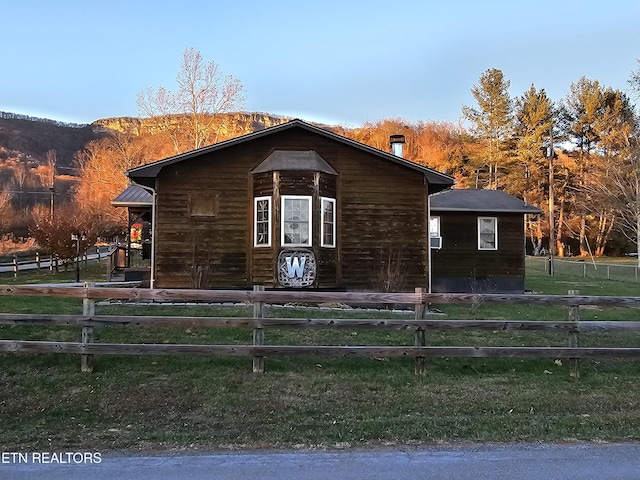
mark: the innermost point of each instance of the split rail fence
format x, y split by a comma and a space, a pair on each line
419, 326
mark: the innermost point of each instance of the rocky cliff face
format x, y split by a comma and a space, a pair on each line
231, 124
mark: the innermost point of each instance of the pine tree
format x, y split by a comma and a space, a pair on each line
492, 122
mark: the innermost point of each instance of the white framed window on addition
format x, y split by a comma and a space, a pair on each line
435, 239
328, 222
296, 226
487, 233
262, 222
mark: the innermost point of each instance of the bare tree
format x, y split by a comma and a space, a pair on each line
621, 186
203, 92
5, 210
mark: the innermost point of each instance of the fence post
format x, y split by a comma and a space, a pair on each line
420, 336
574, 316
38, 261
88, 310
109, 266
15, 267
258, 332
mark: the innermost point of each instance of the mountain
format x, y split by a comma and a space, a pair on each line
28, 139
29, 146
232, 124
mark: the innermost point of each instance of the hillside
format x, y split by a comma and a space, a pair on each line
232, 124
28, 139
28, 145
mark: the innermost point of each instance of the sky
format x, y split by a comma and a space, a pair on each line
340, 62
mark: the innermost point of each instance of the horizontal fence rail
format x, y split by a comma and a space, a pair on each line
259, 322
350, 323
355, 298
25, 346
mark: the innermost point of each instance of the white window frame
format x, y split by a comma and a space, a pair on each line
255, 221
434, 220
283, 221
435, 239
495, 233
332, 201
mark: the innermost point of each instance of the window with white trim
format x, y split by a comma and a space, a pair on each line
434, 226
328, 222
487, 233
262, 221
435, 239
296, 220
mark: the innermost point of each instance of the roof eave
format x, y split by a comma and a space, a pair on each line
485, 210
131, 204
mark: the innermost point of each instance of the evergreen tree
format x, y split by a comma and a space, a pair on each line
534, 114
492, 122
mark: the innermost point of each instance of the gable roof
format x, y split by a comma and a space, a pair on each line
133, 196
461, 200
294, 160
146, 174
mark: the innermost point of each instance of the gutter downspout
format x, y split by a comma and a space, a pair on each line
429, 238
152, 280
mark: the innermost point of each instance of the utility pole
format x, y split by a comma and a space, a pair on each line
51, 159
552, 239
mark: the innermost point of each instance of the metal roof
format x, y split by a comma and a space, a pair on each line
146, 174
133, 196
461, 200
295, 160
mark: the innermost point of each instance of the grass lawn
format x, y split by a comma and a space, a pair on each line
200, 403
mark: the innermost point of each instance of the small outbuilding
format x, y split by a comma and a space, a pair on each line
478, 241
292, 206
139, 203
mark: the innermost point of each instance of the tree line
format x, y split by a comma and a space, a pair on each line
583, 152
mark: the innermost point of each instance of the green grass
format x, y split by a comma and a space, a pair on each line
200, 403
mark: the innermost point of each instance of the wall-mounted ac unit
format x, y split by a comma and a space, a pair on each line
435, 242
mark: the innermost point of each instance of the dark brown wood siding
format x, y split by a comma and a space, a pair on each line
380, 216
213, 247
262, 259
460, 266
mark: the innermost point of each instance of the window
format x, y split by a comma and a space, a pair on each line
434, 226
328, 222
296, 220
487, 233
262, 221
435, 240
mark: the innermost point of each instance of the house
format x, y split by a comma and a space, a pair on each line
291, 206
478, 241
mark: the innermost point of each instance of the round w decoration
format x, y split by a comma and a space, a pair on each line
296, 268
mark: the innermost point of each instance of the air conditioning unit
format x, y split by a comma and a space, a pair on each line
435, 242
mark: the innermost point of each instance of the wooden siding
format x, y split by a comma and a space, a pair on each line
460, 262
382, 218
380, 212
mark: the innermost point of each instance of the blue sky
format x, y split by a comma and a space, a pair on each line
339, 62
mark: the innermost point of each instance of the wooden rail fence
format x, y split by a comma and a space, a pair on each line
422, 323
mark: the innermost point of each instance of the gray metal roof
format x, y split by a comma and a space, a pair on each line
308, 160
146, 174
133, 196
461, 200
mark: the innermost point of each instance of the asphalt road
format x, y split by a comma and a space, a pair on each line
478, 462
